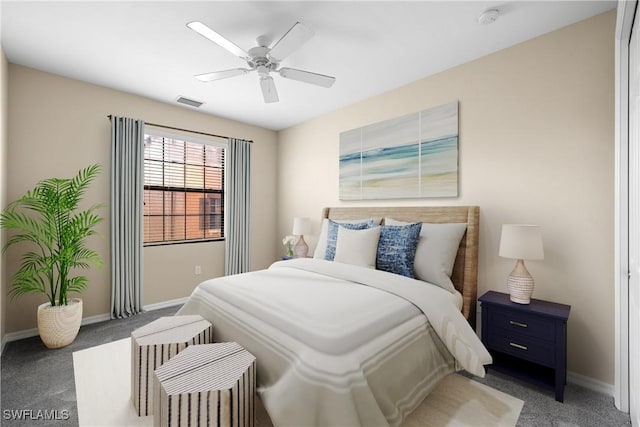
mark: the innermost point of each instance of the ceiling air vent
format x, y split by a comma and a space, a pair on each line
190, 102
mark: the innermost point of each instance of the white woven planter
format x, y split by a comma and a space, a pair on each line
59, 325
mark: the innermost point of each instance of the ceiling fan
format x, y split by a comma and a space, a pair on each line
264, 60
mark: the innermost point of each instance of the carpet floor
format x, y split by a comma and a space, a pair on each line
103, 390
35, 379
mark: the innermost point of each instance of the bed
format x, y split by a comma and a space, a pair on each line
345, 345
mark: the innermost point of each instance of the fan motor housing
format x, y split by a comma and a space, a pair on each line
258, 58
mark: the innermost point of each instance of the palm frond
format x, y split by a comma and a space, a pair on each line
86, 255
26, 224
77, 284
47, 218
78, 185
27, 283
34, 261
83, 223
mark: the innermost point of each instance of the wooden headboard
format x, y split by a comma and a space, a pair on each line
465, 269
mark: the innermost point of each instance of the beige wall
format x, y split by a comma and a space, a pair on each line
59, 125
4, 111
536, 132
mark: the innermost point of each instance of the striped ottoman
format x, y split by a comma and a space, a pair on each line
206, 385
156, 343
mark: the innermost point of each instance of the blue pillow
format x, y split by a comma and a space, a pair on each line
332, 235
397, 248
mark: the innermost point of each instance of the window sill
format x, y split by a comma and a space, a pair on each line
182, 242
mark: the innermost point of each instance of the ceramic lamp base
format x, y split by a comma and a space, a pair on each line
520, 284
301, 249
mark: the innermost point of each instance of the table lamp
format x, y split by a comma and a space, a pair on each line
520, 242
301, 226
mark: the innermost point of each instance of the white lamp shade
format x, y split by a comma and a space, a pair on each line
301, 226
520, 241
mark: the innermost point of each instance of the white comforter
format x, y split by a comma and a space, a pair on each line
331, 351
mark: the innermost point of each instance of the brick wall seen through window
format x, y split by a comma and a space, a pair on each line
183, 191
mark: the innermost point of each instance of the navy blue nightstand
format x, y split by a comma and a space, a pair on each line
527, 341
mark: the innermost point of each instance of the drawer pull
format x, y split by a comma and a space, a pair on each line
522, 325
521, 347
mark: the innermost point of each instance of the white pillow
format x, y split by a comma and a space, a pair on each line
321, 247
357, 247
436, 252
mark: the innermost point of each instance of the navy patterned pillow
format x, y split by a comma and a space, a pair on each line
332, 235
397, 248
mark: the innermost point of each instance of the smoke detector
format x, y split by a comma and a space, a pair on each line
488, 16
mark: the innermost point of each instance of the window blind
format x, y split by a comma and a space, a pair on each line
183, 190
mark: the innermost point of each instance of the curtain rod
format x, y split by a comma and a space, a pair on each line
190, 131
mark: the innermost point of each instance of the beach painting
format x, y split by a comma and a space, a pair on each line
413, 156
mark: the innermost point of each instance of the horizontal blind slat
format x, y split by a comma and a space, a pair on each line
184, 190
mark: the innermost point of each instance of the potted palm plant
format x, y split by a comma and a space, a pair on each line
47, 219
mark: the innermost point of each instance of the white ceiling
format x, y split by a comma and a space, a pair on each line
145, 48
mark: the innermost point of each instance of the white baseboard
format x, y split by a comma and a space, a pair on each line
165, 304
28, 333
590, 383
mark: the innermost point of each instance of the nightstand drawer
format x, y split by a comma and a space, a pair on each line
528, 348
514, 322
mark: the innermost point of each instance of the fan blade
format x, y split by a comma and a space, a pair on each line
269, 91
219, 75
307, 77
208, 33
292, 40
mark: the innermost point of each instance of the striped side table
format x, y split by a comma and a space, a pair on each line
154, 344
206, 385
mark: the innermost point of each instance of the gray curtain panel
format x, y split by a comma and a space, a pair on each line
237, 206
127, 188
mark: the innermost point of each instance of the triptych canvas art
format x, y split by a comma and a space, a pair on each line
412, 156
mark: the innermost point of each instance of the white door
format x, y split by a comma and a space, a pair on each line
634, 224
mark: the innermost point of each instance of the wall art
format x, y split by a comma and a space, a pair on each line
412, 156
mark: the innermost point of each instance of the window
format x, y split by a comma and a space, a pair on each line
183, 190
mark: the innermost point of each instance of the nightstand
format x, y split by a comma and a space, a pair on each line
527, 341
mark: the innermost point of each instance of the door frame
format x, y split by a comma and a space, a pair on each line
624, 23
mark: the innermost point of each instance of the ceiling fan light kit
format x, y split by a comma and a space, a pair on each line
264, 60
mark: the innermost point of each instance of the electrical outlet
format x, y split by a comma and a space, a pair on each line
198, 270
